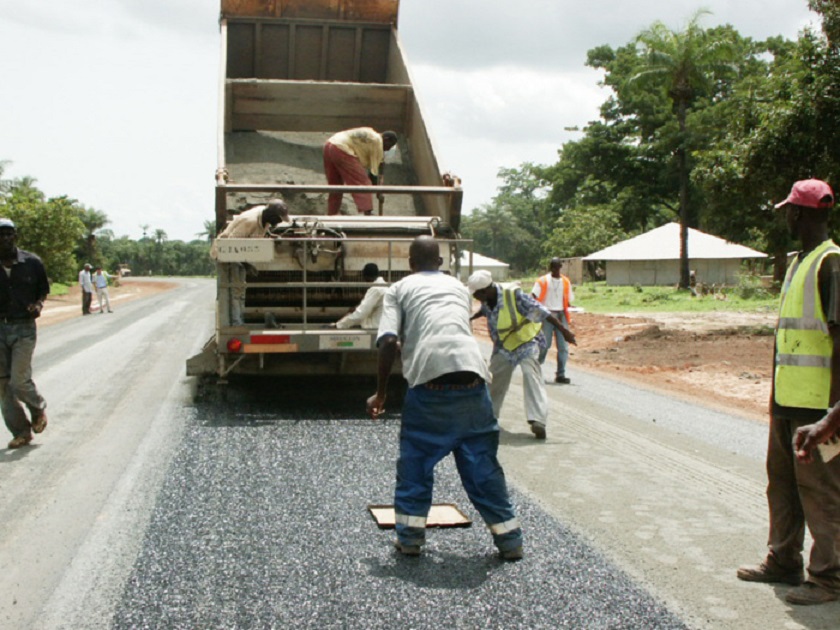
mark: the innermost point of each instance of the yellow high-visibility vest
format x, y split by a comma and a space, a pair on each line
514, 329
804, 346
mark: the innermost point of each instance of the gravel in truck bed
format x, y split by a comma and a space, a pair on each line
274, 157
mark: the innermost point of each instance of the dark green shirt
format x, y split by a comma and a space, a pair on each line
21, 287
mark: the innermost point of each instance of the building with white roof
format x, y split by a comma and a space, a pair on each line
498, 269
653, 258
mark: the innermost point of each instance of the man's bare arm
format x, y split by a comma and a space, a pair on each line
387, 356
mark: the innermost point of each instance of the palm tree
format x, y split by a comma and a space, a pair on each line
686, 64
93, 221
160, 236
209, 232
5, 184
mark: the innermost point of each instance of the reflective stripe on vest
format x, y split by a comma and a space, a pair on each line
804, 346
503, 528
513, 328
410, 521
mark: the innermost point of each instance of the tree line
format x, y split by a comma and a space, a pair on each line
701, 126
65, 235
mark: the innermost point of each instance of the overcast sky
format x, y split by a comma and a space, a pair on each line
114, 103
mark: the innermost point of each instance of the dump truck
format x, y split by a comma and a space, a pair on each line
293, 73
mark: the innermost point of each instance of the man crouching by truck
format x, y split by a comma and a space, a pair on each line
253, 223
447, 408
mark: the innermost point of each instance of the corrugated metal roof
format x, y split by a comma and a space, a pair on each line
663, 243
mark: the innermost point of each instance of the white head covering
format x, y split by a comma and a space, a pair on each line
480, 279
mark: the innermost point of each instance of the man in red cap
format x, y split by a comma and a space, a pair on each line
806, 382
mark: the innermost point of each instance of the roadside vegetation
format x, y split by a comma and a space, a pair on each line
750, 295
597, 297
66, 235
700, 125
58, 289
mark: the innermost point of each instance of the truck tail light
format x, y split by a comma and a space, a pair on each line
234, 345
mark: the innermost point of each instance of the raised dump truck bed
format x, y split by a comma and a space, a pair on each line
293, 73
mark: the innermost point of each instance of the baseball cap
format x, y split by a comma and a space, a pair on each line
810, 193
480, 279
7, 223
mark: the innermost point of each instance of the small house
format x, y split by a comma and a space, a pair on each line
498, 269
653, 258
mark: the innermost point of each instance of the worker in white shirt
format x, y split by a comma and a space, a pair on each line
447, 408
100, 282
86, 284
369, 310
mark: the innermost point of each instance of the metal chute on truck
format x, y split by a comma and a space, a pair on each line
292, 73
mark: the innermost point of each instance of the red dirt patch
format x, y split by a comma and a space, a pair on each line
723, 360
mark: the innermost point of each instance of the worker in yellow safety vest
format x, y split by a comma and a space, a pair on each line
806, 383
554, 291
515, 322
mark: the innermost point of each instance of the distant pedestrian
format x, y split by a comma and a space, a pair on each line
554, 291
355, 158
100, 281
23, 289
806, 381
447, 408
515, 321
86, 284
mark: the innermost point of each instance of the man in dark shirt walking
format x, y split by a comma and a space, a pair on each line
23, 289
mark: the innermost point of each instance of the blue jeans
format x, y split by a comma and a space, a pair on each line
458, 420
550, 332
17, 344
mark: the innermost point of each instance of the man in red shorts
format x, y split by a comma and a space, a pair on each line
354, 158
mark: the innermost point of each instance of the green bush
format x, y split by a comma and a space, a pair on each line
656, 296
751, 287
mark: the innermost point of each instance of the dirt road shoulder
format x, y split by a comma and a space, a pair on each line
61, 308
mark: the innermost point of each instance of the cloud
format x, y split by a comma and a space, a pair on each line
555, 34
123, 124
114, 103
128, 18
485, 120
510, 104
500, 82
185, 16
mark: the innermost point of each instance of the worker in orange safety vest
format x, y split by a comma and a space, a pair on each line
554, 291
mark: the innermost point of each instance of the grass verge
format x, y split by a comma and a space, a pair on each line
597, 297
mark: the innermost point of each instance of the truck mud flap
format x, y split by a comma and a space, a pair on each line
205, 362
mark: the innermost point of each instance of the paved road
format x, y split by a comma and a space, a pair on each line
146, 504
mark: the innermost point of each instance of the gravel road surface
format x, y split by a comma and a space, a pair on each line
150, 503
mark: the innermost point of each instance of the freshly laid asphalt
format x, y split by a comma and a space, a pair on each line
262, 522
